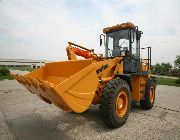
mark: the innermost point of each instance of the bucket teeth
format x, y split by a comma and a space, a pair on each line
40, 83
21, 78
28, 82
18, 79
33, 85
36, 86
34, 82
44, 86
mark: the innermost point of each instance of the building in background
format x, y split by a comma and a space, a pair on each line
24, 63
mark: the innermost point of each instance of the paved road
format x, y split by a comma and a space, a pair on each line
171, 77
19, 72
24, 116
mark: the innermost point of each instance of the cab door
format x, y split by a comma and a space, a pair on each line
131, 63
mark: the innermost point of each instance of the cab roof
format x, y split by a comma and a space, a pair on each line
127, 25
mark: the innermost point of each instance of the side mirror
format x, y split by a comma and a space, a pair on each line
138, 35
100, 41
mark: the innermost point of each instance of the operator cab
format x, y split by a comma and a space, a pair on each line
124, 40
116, 43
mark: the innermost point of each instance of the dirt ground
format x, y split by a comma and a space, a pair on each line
23, 116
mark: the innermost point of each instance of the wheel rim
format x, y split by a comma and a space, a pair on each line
121, 104
151, 95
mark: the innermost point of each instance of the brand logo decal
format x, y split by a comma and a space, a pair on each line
103, 67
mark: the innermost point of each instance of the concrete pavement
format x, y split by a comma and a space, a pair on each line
23, 116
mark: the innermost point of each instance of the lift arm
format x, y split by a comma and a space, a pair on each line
74, 49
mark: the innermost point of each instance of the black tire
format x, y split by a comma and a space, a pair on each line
148, 102
108, 104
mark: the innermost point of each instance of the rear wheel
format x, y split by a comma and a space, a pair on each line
149, 95
115, 103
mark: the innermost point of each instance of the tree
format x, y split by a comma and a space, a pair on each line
177, 61
4, 71
162, 68
166, 67
157, 68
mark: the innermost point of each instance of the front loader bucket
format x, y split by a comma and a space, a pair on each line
70, 85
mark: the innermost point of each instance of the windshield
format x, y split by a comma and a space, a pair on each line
116, 42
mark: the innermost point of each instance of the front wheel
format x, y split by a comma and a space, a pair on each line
115, 103
149, 95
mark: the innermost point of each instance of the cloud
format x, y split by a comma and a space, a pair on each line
38, 29
41, 30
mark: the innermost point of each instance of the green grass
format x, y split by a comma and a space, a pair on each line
167, 81
8, 77
23, 69
20, 68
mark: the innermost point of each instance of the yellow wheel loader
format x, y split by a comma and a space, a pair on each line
113, 80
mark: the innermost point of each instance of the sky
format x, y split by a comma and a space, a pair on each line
40, 29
